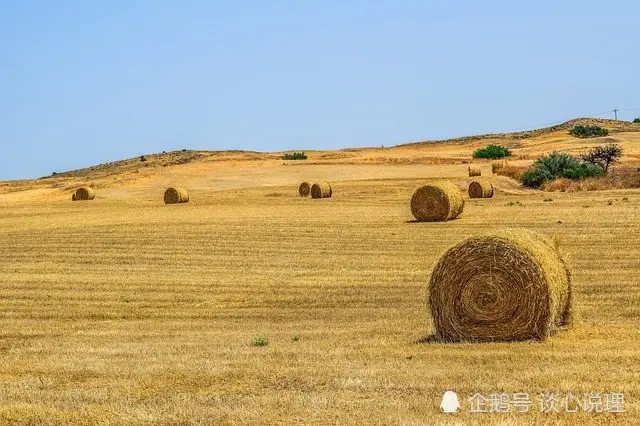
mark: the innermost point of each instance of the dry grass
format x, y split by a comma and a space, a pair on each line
506, 285
621, 177
514, 172
150, 317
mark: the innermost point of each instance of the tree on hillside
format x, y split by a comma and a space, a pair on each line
604, 155
637, 120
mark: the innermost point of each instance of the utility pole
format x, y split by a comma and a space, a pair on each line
615, 111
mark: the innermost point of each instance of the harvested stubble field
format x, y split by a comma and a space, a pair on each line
136, 312
128, 311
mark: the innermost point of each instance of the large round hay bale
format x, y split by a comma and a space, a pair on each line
321, 190
497, 165
507, 285
437, 202
85, 193
304, 189
175, 195
474, 170
480, 188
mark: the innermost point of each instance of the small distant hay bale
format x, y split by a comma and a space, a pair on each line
174, 195
497, 165
304, 189
507, 285
321, 190
480, 188
474, 170
437, 202
85, 193
73, 197
514, 172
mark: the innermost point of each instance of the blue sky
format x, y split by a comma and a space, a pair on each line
85, 82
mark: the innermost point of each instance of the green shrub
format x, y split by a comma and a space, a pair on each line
588, 131
295, 156
260, 341
493, 151
637, 120
558, 165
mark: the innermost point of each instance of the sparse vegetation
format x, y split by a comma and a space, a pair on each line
514, 172
548, 200
260, 341
295, 156
604, 155
619, 177
493, 151
588, 131
558, 165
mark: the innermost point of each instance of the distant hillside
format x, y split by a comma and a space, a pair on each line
614, 126
166, 159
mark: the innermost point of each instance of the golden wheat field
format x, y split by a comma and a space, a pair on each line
124, 310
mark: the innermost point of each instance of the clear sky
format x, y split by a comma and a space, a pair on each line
85, 82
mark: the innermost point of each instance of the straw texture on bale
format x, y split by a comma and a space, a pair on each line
321, 190
507, 285
437, 202
175, 195
480, 188
497, 165
475, 171
304, 189
85, 193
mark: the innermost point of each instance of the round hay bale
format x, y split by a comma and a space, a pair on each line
85, 193
304, 189
480, 188
73, 197
437, 202
506, 285
475, 170
321, 190
175, 195
497, 165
